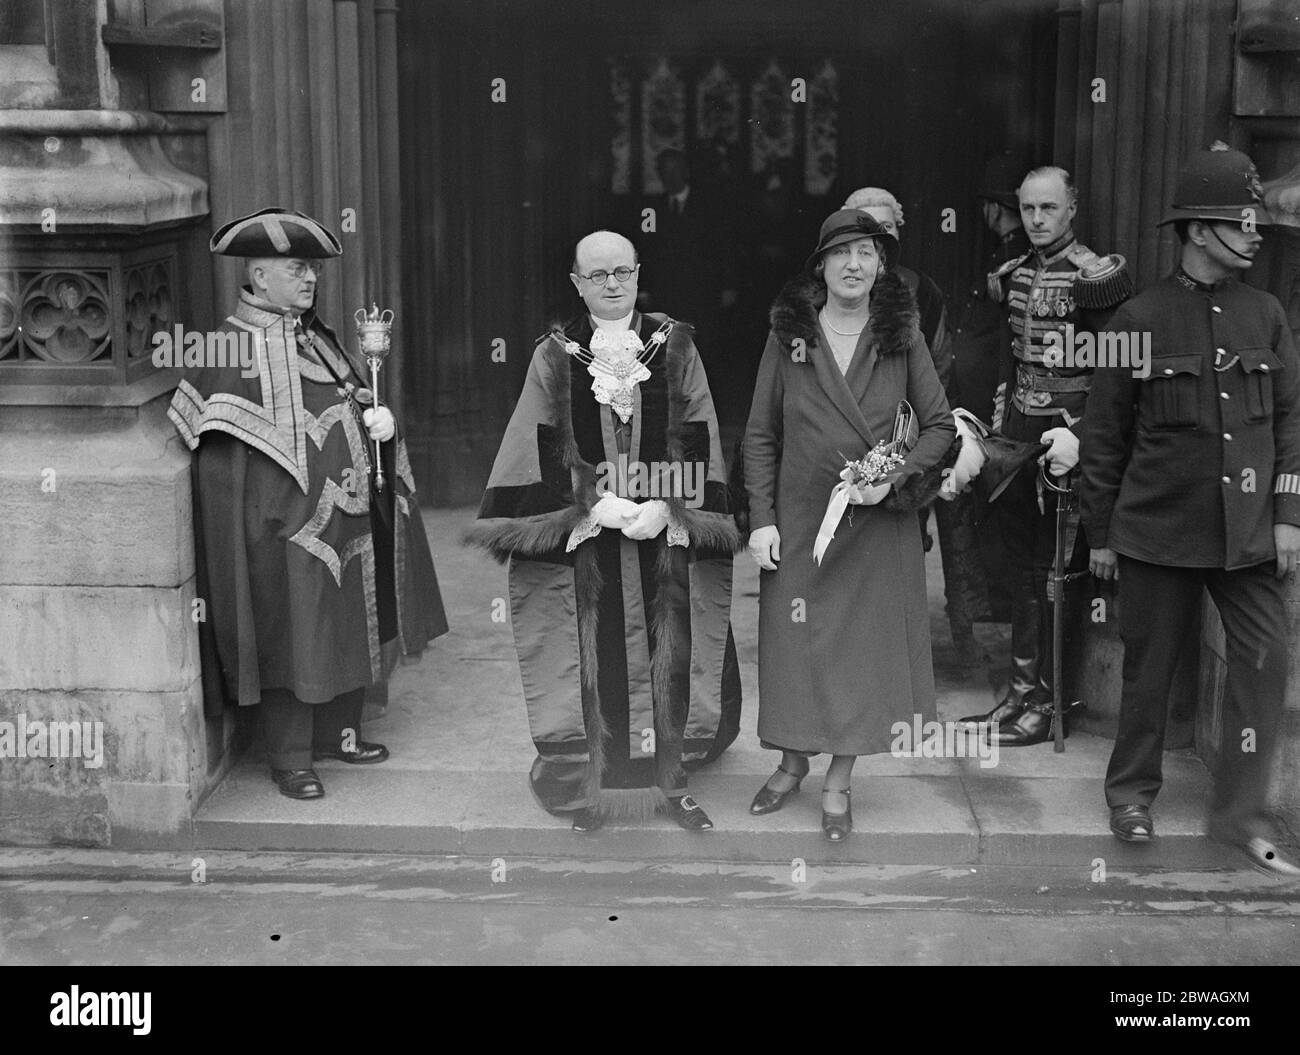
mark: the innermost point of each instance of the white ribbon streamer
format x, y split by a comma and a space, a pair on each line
839, 502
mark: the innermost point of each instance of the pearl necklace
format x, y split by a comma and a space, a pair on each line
842, 333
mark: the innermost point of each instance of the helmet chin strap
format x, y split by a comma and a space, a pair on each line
1226, 246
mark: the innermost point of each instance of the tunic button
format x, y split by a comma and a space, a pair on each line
1169, 372
1227, 436
1264, 367
1224, 395
1217, 310
1227, 479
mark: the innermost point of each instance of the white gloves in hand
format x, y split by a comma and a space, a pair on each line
651, 518
614, 512
765, 546
380, 423
1064, 454
868, 495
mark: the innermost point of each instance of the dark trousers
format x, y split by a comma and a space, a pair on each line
294, 729
1158, 606
1030, 539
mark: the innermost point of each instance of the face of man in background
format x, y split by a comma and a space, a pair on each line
287, 283
1045, 208
605, 251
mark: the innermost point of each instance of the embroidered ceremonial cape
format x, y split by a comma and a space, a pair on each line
305, 572
625, 647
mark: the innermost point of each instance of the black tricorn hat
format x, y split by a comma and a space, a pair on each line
276, 232
848, 225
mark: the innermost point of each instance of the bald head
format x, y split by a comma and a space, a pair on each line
596, 258
597, 242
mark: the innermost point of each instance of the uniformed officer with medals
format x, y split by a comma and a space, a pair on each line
1057, 290
1191, 481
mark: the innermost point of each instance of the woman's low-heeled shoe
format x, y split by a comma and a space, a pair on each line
836, 826
768, 800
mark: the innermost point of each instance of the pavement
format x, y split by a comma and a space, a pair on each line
456, 782
73, 908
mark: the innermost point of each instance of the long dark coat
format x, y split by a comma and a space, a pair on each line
844, 648
307, 572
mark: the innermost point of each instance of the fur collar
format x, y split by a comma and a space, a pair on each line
893, 313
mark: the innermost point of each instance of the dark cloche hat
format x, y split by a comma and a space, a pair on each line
1003, 174
275, 232
848, 225
1218, 184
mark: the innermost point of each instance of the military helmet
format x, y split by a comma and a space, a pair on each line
1218, 184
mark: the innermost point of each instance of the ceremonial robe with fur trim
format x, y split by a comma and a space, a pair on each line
625, 648
844, 647
305, 575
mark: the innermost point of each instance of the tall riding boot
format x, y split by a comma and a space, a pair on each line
1026, 655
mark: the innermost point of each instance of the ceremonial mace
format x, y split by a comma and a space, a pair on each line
375, 335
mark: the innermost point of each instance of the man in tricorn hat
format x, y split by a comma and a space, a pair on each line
1058, 291
1191, 481
313, 576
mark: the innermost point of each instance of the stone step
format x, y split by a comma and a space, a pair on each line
966, 818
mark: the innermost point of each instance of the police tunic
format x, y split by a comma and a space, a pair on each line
1192, 465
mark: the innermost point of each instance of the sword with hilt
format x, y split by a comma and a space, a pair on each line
1056, 594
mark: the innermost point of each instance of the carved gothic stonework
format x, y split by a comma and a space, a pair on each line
87, 322
66, 316
148, 305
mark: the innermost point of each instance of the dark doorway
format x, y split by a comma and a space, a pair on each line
526, 124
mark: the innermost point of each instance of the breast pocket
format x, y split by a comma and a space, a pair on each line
1258, 364
1171, 393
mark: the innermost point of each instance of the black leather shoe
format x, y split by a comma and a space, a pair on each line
1268, 859
366, 754
1132, 823
836, 826
298, 783
1034, 726
1005, 713
769, 800
587, 820
689, 814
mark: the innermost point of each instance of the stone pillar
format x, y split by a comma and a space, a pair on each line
102, 244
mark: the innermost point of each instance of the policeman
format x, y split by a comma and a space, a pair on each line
1054, 293
1191, 479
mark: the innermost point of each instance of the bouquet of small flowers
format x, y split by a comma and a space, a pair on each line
874, 468
878, 466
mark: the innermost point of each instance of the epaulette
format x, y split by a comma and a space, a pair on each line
1103, 282
996, 292
1080, 255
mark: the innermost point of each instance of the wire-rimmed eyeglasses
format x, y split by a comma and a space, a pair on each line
623, 274
299, 268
